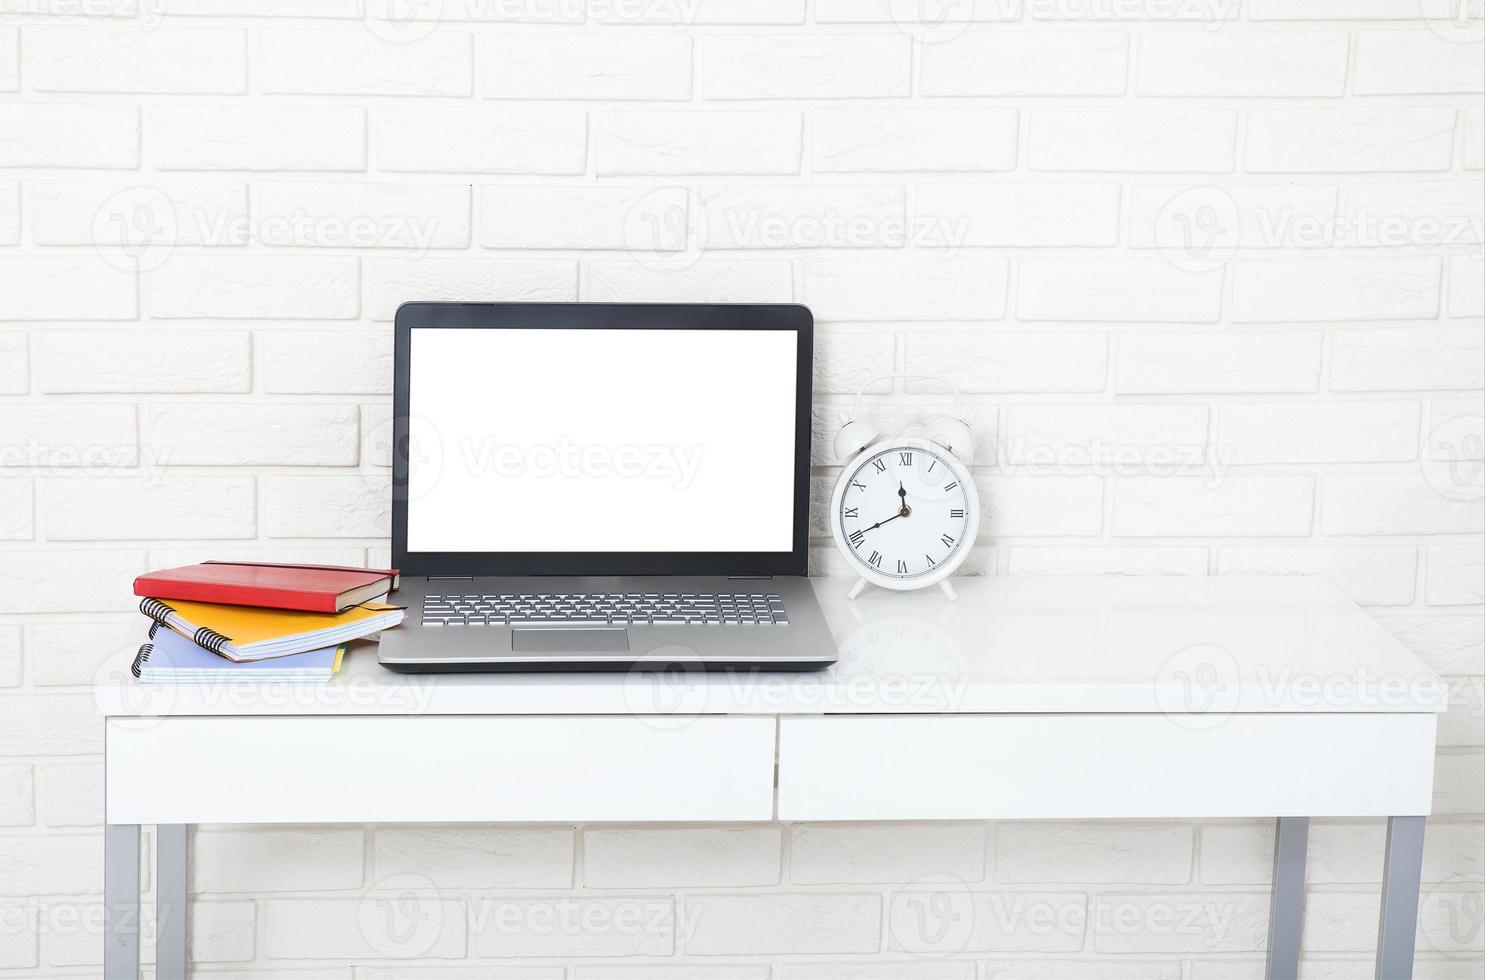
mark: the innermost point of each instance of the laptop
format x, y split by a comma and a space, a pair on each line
599, 486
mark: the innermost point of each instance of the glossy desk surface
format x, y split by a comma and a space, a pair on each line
1007, 646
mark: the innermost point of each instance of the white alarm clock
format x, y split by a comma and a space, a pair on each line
905, 511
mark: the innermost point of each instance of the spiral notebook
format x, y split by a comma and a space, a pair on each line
244, 633
170, 658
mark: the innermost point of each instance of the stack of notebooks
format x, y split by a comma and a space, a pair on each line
257, 621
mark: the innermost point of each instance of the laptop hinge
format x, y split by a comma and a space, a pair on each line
748, 578
451, 578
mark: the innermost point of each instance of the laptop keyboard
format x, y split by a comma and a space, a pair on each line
606, 609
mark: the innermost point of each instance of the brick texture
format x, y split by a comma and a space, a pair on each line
1209, 275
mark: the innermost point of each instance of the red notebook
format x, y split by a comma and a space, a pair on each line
308, 588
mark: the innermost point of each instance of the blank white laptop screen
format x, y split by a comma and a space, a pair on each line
601, 440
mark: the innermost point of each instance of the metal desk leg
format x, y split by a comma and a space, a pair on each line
1286, 910
170, 902
1402, 879
121, 901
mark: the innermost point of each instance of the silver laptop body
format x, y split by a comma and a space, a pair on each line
602, 486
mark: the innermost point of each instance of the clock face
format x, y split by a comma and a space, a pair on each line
906, 513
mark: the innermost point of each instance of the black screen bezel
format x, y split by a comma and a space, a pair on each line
601, 316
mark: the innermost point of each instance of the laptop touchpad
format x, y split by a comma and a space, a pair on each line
598, 640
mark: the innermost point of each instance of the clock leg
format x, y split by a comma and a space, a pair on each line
857, 589
949, 592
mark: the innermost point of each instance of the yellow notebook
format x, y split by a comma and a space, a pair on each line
243, 633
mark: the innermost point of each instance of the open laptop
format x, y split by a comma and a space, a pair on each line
593, 486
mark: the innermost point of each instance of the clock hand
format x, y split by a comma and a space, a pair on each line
902, 513
902, 492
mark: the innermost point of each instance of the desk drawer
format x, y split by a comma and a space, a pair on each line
1027, 767
444, 768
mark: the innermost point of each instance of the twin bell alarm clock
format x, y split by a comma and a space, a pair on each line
905, 511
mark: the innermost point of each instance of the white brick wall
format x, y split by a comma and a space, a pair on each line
1237, 243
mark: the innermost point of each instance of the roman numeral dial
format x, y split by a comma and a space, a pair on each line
905, 512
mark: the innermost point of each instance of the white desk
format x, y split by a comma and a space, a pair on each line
1026, 699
